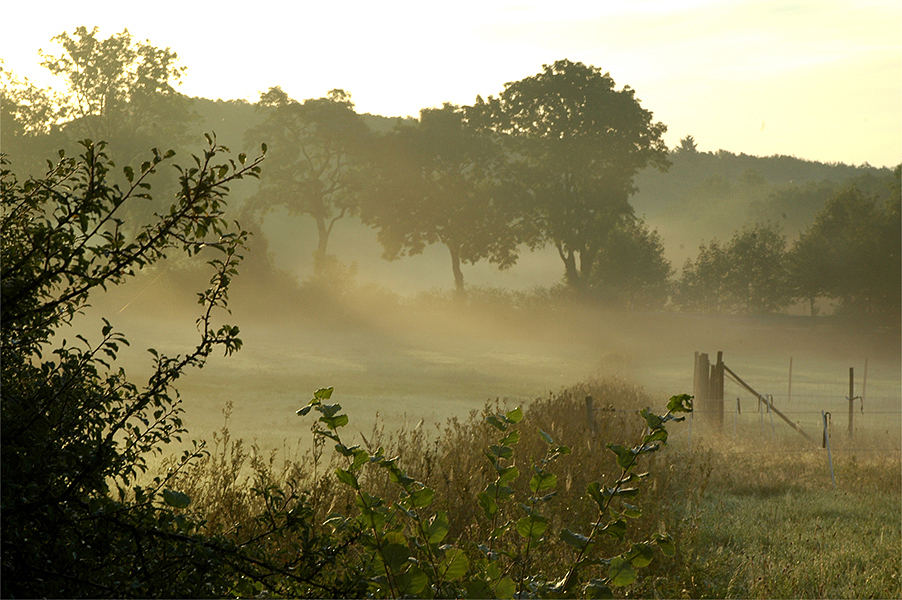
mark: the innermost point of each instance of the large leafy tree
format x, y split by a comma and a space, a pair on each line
748, 274
852, 252
120, 90
579, 142
317, 156
440, 181
632, 272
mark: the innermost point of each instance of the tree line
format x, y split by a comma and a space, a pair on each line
551, 161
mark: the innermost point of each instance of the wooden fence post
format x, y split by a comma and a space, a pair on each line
851, 398
789, 399
716, 392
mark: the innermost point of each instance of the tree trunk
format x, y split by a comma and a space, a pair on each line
455, 268
319, 255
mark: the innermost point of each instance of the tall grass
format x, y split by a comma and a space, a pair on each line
751, 519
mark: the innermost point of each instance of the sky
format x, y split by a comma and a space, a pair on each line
816, 79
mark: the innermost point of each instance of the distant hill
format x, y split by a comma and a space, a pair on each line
706, 195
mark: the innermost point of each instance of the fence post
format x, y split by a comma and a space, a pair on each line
716, 391
827, 446
789, 400
851, 398
864, 384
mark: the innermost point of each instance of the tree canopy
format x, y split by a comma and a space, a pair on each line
441, 181
578, 142
317, 150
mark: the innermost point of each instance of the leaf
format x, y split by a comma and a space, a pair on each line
176, 499
596, 588
680, 403
303, 411
616, 529
323, 393
422, 498
571, 538
621, 572
631, 511
625, 456
437, 528
501, 451
659, 435
640, 555
454, 564
665, 544
496, 422
347, 478
395, 555
507, 474
413, 582
488, 504
514, 416
505, 588
548, 439
511, 438
335, 422
532, 526
542, 481
651, 419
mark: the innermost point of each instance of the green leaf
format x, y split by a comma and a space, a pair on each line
514, 416
335, 422
621, 571
422, 498
511, 438
454, 564
659, 435
176, 499
542, 481
640, 555
665, 544
413, 582
594, 491
303, 411
505, 588
532, 526
395, 555
329, 410
437, 528
651, 419
596, 588
347, 478
571, 538
680, 403
496, 422
625, 456
508, 474
548, 439
488, 504
631, 511
501, 451
616, 529
323, 393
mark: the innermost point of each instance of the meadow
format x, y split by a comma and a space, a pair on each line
752, 506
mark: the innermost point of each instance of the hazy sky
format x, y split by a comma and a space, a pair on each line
818, 79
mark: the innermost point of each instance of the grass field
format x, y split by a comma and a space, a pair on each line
752, 507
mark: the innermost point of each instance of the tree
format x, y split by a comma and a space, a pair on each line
120, 91
687, 146
29, 131
579, 143
440, 181
757, 277
316, 159
633, 272
748, 275
852, 252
